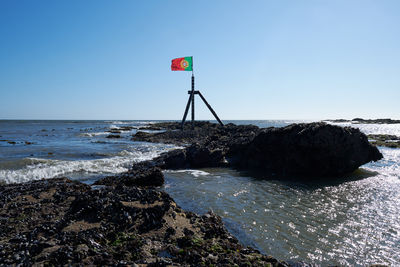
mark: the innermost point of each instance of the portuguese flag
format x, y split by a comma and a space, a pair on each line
182, 63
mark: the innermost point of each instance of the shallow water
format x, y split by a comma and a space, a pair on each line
349, 223
352, 221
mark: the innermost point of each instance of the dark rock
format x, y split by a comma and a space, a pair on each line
175, 159
339, 120
315, 149
151, 128
113, 226
141, 174
357, 119
126, 128
176, 136
307, 149
113, 136
140, 136
114, 131
386, 140
200, 156
375, 121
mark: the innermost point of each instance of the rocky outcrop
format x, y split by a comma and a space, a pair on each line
64, 222
220, 136
305, 150
314, 149
194, 156
141, 174
386, 140
375, 121
367, 121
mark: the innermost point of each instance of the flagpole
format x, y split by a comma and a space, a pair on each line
192, 99
192, 92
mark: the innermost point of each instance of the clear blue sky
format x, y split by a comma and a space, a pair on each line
252, 59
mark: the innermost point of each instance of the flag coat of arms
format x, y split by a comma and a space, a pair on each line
182, 63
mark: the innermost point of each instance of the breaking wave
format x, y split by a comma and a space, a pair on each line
28, 169
93, 134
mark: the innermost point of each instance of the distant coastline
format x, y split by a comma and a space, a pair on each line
367, 121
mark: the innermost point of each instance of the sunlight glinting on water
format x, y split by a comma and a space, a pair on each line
352, 223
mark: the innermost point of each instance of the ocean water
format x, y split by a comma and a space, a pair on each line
76, 149
352, 221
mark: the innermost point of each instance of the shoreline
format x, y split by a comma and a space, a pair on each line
165, 246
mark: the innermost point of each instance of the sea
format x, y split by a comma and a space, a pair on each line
353, 220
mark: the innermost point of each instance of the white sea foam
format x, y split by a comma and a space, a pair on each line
389, 166
47, 168
195, 173
117, 122
93, 134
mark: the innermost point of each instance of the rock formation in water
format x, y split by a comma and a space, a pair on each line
304, 150
386, 140
368, 121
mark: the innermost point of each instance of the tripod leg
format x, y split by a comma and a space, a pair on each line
186, 110
192, 109
210, 108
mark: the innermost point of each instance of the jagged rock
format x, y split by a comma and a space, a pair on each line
201, 156
175, 159
306, 149
64, 222
194, 156
200, 133
141, 174
314, 149
386, 140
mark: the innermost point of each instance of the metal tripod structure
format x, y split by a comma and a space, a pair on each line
192, 93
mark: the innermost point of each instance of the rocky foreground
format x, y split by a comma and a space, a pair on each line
60, 222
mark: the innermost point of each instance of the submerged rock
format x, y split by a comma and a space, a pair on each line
113, 136
367, 121
386, 140
375, 121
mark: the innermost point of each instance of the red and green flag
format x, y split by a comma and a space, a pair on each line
182, 63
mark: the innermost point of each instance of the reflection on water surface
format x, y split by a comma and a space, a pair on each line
350, 223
